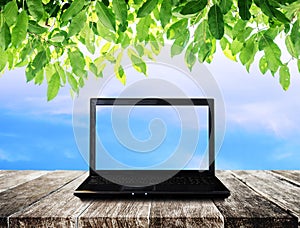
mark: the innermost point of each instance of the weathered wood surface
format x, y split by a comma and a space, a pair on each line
258, 199
246, 208
10, 179
292, 175
22, 196
280, 192
59, 209
185, 213
116, 213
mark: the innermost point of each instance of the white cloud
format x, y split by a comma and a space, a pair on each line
282, 155
70, 155
256, 102
12, 157
18, 96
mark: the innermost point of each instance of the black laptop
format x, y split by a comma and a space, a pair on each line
152, 147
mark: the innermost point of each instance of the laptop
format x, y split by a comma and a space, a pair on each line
148, 148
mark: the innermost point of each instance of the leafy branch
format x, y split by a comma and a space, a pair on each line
60, 41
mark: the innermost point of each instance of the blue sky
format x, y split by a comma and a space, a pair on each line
262, 121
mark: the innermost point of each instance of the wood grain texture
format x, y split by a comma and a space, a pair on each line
116, 213
59, 209
10, 179
22, 196
185, 213
246, 208
292, 176
282, 193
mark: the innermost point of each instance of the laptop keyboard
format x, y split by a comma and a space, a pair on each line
96, 180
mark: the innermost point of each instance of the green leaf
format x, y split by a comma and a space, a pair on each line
61, 72
120, 9
290, 46
165, 12
175, 29
77, 24
147, 8
57, 38
35, 28
140, 49
124, 40
10, 13
39, 61
295, 32
272, 53
29, 73
25, 52
73, 10
236, 46
93, 69
155, 47
202, 32
89, 39
137, 62
263, 65
105, 33
225, 5
244, 7
11, 53
39, 78
53, 86
142, 28
284, 77
238, 28
265, 7
81, 82
49, 71
72, 82
190, 57
248, 52
242, 36
77, 62
204, 51
226, 47
180, 43
3, 60
216, 22
280, 16
5, 36
105, 48
36, 9
19, 32
105, 16
298, 64
193, 7
120, 74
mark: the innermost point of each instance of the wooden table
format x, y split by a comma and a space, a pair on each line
45, 199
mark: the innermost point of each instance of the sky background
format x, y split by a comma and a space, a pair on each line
262, 121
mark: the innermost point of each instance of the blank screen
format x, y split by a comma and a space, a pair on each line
151, 137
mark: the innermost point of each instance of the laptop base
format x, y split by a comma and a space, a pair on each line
185, 184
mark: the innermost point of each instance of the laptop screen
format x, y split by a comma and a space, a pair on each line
151, 137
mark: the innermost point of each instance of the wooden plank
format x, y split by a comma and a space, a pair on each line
20, 197
247, 208
14, 178
280, 192
116, 213
59, 209
5, 172
292, 176
185, 213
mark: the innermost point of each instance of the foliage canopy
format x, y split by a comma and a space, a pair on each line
48, 36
